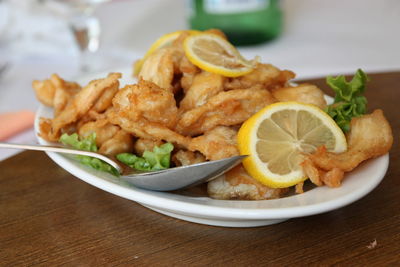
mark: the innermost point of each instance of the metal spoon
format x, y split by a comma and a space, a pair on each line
163, 180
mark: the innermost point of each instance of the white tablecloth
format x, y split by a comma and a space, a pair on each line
320, 38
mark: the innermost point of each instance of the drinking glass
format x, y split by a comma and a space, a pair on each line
84, 25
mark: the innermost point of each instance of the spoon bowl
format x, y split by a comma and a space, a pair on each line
182, 177
161, 180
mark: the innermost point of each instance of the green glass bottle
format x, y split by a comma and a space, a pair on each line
245, 22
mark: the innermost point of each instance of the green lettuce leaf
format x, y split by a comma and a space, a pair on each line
87, 144
349, 101
158, 159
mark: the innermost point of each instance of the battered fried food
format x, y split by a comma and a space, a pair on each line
102, 128
105, 100
187, 67
264, 75
203, 86
303, 93
188, 71
141, 145
238, 184
146, 101
370, 136
82, 102
312, 172
218, 143
147, 111
120, 142
226, 108
148, 130
333, 178
185, 157
55, 92
159, 68
199, 113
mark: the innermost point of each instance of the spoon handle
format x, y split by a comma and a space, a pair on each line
61, 150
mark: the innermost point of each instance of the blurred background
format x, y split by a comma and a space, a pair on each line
41, 37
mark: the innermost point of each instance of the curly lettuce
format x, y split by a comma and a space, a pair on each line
349, 101
87, 144
158, 159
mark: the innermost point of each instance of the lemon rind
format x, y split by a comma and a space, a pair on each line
253, 164
187, 45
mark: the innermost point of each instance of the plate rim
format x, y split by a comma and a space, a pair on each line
215, 211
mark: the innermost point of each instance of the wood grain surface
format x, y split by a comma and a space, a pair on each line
50, 218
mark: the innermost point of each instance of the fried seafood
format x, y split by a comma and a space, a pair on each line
217, 32
264, 75
370, 136
333, 178
303, 93
148, 130
120, 142
187, 80
91, 115
189, 71
141, 145
312, 172
218, 143
105, 100
146, 101
199, 112
203, 86
159, 68
187, 67
55, 92
185, 157
82, 102
226, 108
147, 111
103, 129
238, 184
298, 188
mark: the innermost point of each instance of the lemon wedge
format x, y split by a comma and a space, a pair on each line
213, 53
276, 138
163, 41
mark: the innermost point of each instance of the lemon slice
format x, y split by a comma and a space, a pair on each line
214, 54
276, 138
161, 42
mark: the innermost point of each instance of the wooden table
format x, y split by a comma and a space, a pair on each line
48, 217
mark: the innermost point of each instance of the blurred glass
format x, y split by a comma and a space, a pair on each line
245, 22
4, 17
84, 26
28, 30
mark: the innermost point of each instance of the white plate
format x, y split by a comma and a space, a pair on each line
230, 213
